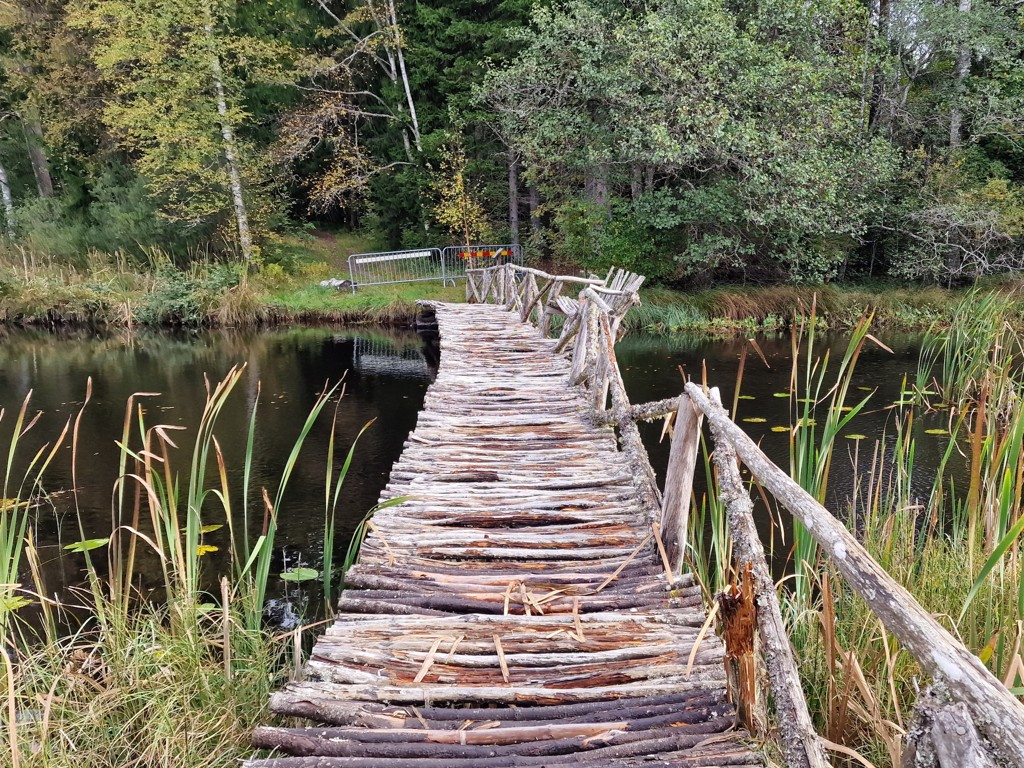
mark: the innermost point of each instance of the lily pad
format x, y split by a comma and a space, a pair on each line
747, 397
936, 431
300, 574
755, 420
87, 544
780, 429
780, 394
856, 437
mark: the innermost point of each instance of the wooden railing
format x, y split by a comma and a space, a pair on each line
991, 707
588, 334
590, 327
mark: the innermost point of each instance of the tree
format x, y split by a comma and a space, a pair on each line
176, 70
749, 120
457, 207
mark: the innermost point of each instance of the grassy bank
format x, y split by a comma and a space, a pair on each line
741, 309
106, 290
956, 548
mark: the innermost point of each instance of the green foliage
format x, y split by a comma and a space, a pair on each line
187, 297
748, 125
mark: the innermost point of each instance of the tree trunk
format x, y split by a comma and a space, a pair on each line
877, 78
595, 186
513, 195
649, 178
37, 154
534, 210
5, 193
963, 66
414, 123
231, 156
636, 183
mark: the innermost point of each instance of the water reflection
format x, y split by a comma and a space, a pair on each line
385, 377
386, 374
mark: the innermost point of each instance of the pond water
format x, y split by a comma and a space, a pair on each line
386, 375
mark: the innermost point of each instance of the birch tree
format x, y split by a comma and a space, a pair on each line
8, 201
174, 68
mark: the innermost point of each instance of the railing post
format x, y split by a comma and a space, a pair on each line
800, 744
682, 461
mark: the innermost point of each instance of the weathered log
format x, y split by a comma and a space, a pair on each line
682, 461
800, 744
629, 435
739, 623
297, 700
996, 712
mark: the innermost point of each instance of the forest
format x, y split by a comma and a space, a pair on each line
694, 141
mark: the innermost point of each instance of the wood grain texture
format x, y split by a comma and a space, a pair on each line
515, 610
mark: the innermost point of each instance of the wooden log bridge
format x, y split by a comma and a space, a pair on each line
527, 605
519, 608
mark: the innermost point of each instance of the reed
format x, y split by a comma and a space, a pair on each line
956, 548
114, 677
819, 412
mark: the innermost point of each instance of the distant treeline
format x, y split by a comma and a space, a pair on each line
692, 140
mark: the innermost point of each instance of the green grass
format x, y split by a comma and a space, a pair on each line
740, 309
382, 304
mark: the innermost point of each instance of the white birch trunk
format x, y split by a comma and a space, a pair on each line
513, 195
414, 122
5, 193
963, 66
231, 157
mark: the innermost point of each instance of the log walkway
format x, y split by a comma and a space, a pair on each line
527, 604
518, 608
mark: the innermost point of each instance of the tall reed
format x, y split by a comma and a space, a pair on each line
819, 413
173, 680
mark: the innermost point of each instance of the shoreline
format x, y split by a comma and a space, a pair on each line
726, 310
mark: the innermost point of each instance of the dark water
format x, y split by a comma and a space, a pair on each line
386, 374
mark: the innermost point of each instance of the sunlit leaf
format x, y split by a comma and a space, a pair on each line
747, 397
211, 528
855, 437
781, 394
300, 574
205, 549
780, 429
87, 545
755, 420
936, 431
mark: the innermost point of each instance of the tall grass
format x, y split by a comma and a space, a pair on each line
819, 413
112, 676
956, 548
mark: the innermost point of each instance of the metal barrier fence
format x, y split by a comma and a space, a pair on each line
389, 267
446, 265
458, 258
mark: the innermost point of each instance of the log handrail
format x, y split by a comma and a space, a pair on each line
998, 714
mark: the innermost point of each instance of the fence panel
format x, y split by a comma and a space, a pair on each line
389, 267
458, 258
446, 265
